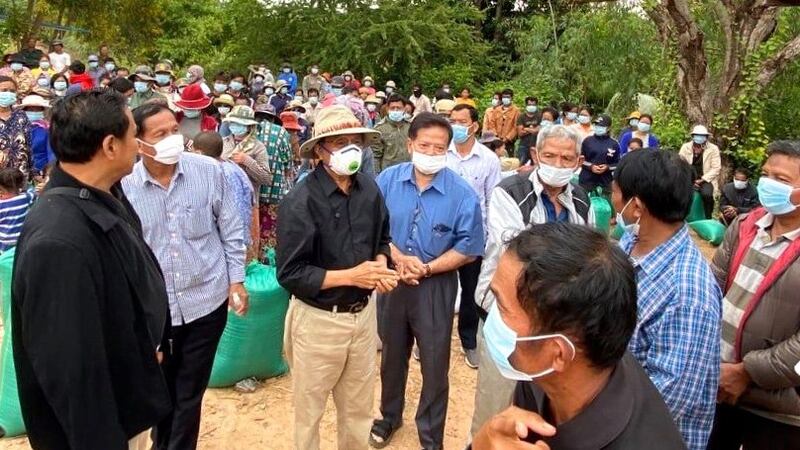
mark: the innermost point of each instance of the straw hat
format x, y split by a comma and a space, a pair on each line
241, 114
444, 106
698, 129
225, 99
296, 105
372, 99
634, 115
336, 120
33, 101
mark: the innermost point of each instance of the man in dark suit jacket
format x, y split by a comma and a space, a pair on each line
738, 197
89, 306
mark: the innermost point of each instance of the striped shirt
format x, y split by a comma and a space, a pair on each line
12, 215
480, 168
281, 164
195, 231
242, 191
677, 331
757, 260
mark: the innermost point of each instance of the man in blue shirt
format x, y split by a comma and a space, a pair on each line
677, 336
600, 156
436, 224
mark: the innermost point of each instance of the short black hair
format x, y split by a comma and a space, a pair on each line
473, 113
588, 109
79, 122
531, 99
426, 120
315, 90
394, 98
553, 112
785, 148
576, 282
145, 111
12, 179
235, 74
7, 79
637, 141
222, 75
508, 92
347, 90
123, 69
441, 94
77, 67
661, 179
208, 143
110, 59
497, 94
742, 171
647, 116
121, 85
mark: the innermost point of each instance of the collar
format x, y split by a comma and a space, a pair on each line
143, 175
438, 182
473, 151
664, 254
765, 223
102, 208
329, 187
565, 196
604, 419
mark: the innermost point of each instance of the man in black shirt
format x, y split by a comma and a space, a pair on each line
332, 252
528, 128
738, 197
565, 311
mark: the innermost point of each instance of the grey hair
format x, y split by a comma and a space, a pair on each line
558, 132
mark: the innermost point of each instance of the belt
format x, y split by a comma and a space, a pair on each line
352, 308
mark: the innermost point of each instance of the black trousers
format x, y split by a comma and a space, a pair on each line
468, 310
735, 428
424, 312
707, 195
187, 370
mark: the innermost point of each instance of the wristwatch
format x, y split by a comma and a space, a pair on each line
428, 271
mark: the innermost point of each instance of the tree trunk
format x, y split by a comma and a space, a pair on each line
498, 16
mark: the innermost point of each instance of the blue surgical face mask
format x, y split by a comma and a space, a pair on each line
236, 86
699, 139
43, 82
220, 87
545, 123
140, 86
633, 123
643, 127
33, 116
110, 67
600, 130
191, 113
336, 91
162, 79
16, 67
460, 134
396, 116
60, 85
531, 109
44, 65
632, 228
572, 116
284, 90
501, 341
776, 196
237, 129
269, 91
583, 119
506, 101
287, 70
7, 99
93, 64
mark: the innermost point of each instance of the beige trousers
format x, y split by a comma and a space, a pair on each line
140, 442
494, 391
331, 352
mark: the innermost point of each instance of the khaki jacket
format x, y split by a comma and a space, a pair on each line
712, 163
392, 148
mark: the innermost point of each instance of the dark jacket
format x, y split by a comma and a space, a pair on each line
89, 309
744, 200
628, 413
598, 150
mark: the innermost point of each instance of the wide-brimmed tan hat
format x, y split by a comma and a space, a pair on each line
241, 114
33, 100
336, 120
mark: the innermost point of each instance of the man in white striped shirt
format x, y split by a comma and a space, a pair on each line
192, 225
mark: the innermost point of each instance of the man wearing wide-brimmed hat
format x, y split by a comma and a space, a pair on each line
143, 80
333, 251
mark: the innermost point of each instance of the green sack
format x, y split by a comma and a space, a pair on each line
11, 423
252, 346
696, 212
710, 230
602, 210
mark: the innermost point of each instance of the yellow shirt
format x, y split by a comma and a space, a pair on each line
36, 71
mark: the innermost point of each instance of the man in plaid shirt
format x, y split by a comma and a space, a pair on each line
678, 329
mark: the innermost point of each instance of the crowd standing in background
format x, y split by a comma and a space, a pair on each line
151, 189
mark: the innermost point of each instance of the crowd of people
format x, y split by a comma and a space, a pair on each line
136, 198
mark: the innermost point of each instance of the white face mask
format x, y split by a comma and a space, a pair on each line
346, 161
428, 165
632, 228
555, 176
168, 150
739, 185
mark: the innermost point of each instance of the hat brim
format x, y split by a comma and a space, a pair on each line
193, 104
307, 149
240, 120
293, 127
141, 76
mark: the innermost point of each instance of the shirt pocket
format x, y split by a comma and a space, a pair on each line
440, 240
198, 221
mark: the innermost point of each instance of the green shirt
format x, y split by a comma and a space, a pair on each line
392, 148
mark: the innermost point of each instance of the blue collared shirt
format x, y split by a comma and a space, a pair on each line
194, 230
445, 215
678, 331
242, 191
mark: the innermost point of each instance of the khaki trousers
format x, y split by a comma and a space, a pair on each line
331, 352
141, 441
494, 391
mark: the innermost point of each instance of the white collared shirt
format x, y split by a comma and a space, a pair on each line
480, 168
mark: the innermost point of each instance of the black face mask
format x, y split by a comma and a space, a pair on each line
417, 92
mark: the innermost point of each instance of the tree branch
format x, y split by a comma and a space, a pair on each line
774, 65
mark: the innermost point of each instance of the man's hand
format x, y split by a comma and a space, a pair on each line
238, 300
508, 429
733, 382
367, 275
699, 182
239, 157
411, 269
729, 212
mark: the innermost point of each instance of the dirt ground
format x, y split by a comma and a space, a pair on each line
264, 419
